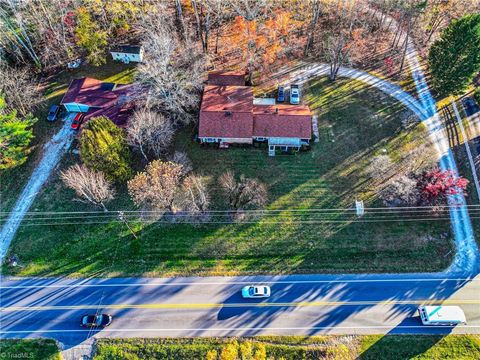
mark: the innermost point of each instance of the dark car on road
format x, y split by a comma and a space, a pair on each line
77, 121
281, 94
53, 113
94, 320
470, 105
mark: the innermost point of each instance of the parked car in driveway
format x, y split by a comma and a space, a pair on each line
294, 94
77, 121
256, 291
281, 94
94, 320
53, 113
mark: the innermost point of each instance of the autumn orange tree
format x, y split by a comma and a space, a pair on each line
263, 41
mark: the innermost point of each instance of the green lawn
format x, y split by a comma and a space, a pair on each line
356, 123
12, 181
42, 349
390, 347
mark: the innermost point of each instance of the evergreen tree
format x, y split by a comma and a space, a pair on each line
454, 59
15, 137
103, 148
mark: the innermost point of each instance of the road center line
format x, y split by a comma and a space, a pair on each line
239, 305
206, 283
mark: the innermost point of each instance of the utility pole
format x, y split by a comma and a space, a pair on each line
121, 216
467, 147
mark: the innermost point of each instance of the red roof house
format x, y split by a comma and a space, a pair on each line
98, 98
282, 121
228, 115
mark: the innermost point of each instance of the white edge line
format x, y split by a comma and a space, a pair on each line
235, 283
245, 328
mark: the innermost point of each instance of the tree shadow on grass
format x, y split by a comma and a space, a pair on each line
395, 345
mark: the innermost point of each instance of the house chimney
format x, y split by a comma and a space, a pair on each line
276, 110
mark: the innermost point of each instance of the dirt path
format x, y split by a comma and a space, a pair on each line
52, 153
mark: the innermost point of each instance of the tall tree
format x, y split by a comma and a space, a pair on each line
173, 70
193, 195
150, 132
14, 33
90, 37
15, 137
454, 59
342, 37
243, 192
315, 10
262, 42
19, 89
90, 186
155, 188
103, 147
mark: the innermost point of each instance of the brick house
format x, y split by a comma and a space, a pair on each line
229, 115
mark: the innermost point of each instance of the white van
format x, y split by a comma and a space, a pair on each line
442, 315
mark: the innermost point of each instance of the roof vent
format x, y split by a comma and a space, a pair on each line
276, 110
228, 113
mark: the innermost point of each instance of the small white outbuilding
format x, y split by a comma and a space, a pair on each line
127, 53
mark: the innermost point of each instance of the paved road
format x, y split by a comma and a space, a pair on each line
301, 304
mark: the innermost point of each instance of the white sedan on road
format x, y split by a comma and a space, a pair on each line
256, 291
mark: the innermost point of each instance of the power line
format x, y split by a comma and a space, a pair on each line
252, 222
367, 209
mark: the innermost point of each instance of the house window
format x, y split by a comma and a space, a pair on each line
210, 140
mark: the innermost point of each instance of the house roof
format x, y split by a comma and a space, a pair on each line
127, 49
117, 113
229, 112
89, 91
104, 99
220, 124
227, 98
282, 121
235, 78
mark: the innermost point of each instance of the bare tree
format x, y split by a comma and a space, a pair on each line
155, 188
181, 158
244, 192
380, 167
193, 195
402, 191
150, 132
90, 186
250, 9
14, 33
315, 10
340, 40
210, 14
18, 88
172, 69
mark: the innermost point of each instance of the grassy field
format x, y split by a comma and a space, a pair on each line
393, 347
355, 124
12, 181
43, 349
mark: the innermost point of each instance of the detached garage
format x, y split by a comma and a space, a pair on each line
127, 53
